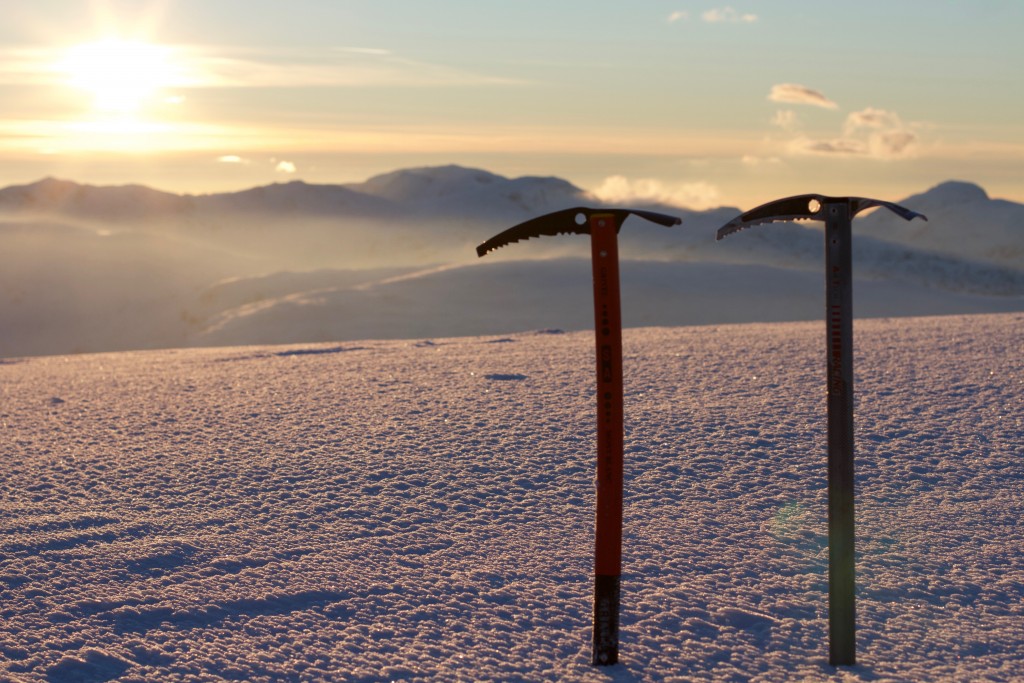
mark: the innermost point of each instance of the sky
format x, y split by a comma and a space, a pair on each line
699, 104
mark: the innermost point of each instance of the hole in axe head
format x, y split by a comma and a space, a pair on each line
581, 218
814, 206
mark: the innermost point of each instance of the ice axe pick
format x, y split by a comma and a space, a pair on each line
837, 213
603, 227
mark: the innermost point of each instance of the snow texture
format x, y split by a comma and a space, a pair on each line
422, 511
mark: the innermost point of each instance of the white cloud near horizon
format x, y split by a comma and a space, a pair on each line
286, 167
694, 195
793, 93
680, 15
728, 15
232, 159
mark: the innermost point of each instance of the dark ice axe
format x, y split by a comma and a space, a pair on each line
837, 213
603, 227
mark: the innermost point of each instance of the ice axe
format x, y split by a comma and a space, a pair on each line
837, 213
603, 227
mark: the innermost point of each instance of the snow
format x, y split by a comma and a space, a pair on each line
422, 510
962, 220
52, 196
501, 296
454, 191
297, 197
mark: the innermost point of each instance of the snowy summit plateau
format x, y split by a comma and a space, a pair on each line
423, 510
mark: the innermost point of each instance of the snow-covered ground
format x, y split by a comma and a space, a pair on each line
422, 510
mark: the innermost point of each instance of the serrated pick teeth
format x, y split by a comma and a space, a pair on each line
807, 207
494, 244
737, 224
575, 221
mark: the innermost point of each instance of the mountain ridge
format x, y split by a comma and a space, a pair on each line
408, 184
105, 268
438, 187
449, 189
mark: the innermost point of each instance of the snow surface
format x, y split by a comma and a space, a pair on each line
400, 510
501, 296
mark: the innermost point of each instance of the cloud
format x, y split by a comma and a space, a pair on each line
871, 118
365, 50
232, 159
886, 134
785, 119
30, 66
204, 67
893, 143
872, 133
696, 195
883, 133
867, 133
338, 67
681, 15
791, 93
728, 15
285, 167
841, 146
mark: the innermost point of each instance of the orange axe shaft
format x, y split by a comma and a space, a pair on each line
603, 226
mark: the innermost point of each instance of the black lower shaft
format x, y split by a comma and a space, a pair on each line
606, 620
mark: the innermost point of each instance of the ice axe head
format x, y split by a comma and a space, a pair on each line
567, 221
808, 207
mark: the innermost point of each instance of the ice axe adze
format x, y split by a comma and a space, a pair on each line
837, 213
603, 227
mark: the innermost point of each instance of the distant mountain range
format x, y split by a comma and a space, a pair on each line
423, 193
89, 268
963, 220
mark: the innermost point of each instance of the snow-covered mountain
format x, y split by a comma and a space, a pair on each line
298, 198
962, 220
109, 268
420, 194
54, 197
457, 192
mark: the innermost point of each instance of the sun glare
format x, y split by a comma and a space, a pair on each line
120, 75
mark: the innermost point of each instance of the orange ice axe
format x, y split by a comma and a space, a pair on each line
603, 227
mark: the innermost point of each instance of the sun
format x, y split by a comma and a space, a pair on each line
121, 75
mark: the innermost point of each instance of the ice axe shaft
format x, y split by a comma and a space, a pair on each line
839, 315
837, 213
608, 522
603, 226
